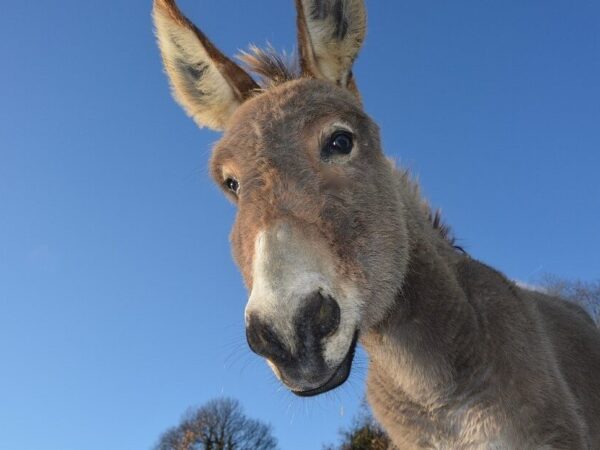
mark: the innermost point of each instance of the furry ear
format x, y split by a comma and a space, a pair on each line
207, 84
330, 34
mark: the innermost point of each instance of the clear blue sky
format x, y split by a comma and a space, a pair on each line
119, 303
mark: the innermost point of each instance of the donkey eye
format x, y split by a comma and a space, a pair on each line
232, 184
340, 143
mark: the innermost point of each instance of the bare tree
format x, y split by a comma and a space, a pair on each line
585, 293
218, 425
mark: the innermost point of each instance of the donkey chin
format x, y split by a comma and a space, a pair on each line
310, 375
299, 317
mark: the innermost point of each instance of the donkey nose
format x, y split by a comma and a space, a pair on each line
321, 314
317, 318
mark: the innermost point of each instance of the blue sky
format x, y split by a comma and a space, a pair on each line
119, 303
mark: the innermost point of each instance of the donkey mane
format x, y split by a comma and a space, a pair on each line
410, 186
272, 67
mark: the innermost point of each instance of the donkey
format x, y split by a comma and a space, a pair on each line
336, 246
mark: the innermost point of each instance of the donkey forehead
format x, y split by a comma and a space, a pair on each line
284, 118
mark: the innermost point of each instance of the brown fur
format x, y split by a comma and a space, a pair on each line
460, 357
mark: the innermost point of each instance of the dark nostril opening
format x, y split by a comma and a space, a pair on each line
324, 313
263, 340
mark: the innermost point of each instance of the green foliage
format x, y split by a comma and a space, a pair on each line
364, 434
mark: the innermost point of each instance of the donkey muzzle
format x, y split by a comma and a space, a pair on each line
300, 364
299, 316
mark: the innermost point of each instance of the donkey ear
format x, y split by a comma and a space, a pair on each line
330, 34
205, 82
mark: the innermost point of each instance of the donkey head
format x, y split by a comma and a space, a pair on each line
319, 236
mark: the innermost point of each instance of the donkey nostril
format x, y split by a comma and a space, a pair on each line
325, 314
263, 340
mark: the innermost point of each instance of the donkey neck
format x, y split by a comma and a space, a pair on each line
431, 335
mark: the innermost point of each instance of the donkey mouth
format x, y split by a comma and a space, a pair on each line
340, 375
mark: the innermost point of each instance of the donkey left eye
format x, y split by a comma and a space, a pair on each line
340, 143
233, 185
